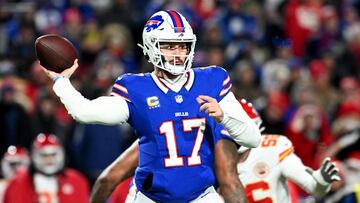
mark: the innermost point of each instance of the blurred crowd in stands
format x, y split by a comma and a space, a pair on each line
297, 61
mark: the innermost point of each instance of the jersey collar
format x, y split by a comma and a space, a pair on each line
188, 84
190, 80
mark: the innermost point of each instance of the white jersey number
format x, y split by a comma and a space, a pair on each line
167, 128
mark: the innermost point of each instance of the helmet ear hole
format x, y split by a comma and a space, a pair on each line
188, 47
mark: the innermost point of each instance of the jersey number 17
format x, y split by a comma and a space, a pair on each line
174, 160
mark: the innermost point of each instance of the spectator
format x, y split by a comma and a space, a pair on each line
309, 127
273, 114
245, 84
326, 95
14, 120
44, 119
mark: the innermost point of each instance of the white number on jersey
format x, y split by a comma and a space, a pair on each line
167, 128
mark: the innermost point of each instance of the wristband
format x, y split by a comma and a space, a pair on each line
57, 77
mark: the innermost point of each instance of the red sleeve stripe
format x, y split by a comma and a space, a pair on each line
121, 88
226, 90
286, 153
226, 81
119, 95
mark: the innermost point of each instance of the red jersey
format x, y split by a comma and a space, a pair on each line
72, 188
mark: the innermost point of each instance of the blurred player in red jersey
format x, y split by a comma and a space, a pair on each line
264, 170
15, 160
47, 181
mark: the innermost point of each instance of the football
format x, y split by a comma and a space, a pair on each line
55, 52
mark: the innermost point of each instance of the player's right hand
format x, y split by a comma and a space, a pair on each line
66, 73
327, 173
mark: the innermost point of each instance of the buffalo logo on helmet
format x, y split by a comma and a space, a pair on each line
153, 23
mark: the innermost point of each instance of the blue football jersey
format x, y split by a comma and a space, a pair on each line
176, 140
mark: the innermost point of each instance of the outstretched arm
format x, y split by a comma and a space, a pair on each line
103, 110
317, 182
230, 186
122, 168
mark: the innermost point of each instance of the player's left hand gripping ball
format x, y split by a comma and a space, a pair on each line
211, 107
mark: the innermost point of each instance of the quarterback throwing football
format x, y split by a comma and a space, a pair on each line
175, 110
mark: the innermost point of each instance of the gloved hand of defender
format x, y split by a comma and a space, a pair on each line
327, 173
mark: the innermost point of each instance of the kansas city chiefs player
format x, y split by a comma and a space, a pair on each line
264, 170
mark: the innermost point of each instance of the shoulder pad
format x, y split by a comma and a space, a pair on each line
281, 145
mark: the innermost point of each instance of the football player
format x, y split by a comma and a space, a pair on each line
14, 160
175, 110
47, 180
264, 170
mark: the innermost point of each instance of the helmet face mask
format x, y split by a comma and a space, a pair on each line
47, 154
49, 160
168, 27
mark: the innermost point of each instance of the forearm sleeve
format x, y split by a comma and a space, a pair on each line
103, 110
243, 130
293, 169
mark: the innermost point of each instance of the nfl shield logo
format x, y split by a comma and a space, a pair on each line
178, 99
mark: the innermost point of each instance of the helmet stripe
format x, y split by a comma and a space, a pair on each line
177, 21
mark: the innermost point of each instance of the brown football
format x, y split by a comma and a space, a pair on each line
55, 52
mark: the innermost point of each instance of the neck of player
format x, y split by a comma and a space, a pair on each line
169, 78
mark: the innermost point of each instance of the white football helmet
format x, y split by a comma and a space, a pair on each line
47, 154
167, 26
254, 115
15, 159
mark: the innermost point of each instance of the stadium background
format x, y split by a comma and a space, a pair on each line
298, 61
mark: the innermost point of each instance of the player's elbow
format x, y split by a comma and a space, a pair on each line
256, 137
249, 137
107, 180
104, 179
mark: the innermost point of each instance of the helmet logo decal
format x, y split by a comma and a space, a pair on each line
153, 23
177, 21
